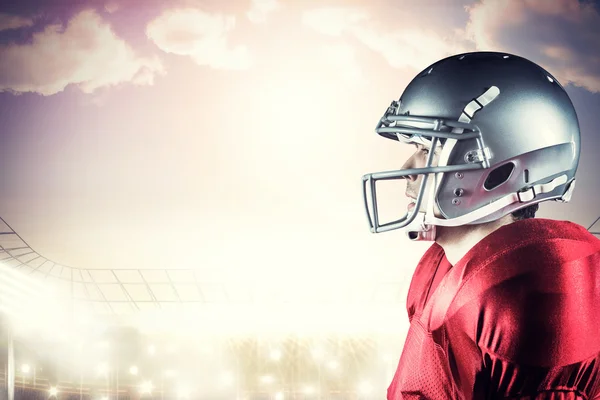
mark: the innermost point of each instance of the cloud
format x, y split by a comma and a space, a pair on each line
85, 52
111, 7
562, 35
8, 21
333, 21
343, 58
412, 47
199, 35
260, 10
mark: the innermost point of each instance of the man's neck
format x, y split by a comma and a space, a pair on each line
458, 240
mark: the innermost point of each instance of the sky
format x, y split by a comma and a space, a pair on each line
231, 137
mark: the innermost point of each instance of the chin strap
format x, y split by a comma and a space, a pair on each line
428, 235
425, 229
418, 230
530, 193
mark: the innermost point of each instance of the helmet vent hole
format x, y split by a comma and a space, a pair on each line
498, 176
526, 176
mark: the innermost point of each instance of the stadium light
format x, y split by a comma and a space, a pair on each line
333, 365
146, 387
53, 391
133, 370
266, 379
275, 355
25, 368
170, 373
365, 388
317, 353
102, 369
309, 390
227, 378
279, 396
183, 392
171, 348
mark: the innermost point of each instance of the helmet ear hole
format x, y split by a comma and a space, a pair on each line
498, 176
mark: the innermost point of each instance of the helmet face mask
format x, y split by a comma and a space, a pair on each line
404, 128
495, 158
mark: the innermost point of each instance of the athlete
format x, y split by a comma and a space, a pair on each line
502, 305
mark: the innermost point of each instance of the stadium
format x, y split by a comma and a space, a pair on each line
73, 333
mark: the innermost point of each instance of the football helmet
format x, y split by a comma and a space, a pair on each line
507, 134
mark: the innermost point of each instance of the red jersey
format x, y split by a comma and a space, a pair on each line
517, 317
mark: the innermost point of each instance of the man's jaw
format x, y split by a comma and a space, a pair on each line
411, 205
412, 198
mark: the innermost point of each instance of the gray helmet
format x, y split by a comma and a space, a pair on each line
508, 134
